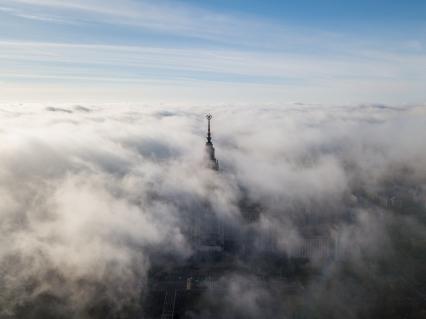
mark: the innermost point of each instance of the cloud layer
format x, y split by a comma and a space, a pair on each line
92, 196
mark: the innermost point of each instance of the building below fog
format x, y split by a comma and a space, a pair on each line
176, 287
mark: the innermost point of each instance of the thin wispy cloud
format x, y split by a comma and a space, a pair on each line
163, 17
146, 64
147, 41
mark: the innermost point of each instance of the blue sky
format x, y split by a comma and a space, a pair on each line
217, 51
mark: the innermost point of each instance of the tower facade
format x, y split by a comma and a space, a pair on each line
212, 162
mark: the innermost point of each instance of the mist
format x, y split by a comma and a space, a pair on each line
92, 196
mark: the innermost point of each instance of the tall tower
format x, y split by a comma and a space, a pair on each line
212, 162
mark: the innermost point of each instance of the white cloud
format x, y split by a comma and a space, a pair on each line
92, 194
213, 51
274, 77
163, 17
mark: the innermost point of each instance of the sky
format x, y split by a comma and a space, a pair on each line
213, 52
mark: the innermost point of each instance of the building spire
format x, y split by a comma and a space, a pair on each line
212, 162
209, 136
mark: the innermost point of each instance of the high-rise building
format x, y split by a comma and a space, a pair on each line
212, 162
